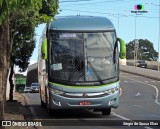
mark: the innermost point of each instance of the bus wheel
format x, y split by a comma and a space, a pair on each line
43, 104
50, 111
106, 111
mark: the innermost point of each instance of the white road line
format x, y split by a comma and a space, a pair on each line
125, 81
122, 117
125, 118
137, 106
145, 81
133, 76
148, 127
157, 92
138, 94
156, 116
153, 81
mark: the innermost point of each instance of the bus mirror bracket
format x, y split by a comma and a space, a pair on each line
44, 49
122, 48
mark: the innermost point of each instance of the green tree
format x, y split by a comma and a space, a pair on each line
22, 33
146, 50
7, 10
22, 27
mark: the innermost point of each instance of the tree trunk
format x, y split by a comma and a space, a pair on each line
2, 71
11, 83
4, 65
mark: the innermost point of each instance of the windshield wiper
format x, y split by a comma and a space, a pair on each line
95, 72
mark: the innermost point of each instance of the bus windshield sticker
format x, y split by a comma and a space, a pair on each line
67, 35
56, 66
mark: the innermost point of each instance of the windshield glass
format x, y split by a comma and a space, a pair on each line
82, 56
34, 84
141, 61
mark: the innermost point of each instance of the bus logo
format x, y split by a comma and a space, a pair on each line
85, 95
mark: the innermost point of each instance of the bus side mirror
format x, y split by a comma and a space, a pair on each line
44, 49
122, 48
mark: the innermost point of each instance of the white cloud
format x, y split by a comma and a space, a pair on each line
32, 62
16, 68
16, 71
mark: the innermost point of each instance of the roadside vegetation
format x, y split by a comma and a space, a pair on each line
18, 19
145, 50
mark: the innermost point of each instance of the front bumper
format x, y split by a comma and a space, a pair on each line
61, 102
34, 90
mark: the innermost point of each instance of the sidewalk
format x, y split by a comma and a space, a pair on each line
17, 110
153, 74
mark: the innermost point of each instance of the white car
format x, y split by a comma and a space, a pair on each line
34, 87
27, 89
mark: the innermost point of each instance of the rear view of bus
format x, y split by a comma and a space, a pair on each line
78, 64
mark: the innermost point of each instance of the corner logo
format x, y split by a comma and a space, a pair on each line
139, 9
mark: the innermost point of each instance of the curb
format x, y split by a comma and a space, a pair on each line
152, 74
150, 77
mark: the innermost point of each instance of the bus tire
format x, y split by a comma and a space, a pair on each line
50, 111
43, 104
106, 111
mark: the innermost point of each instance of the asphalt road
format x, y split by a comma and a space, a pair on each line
139, 100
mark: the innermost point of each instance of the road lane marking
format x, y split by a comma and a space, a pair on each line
122, 117
137, 106
138, 94
157, 92
125, 118
133, 76
148, 127
156, 116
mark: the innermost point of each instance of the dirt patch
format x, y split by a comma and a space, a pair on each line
17, 110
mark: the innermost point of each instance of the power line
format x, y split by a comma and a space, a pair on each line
91, 12
95, 2
74, 1
112, 8
120, 8
122, 15
101, 2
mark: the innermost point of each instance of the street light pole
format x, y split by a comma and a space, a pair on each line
135, 49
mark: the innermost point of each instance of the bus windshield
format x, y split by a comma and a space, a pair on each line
82, 57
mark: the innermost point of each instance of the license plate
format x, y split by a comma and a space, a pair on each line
85, 103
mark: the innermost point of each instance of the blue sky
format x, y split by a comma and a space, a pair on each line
119, 12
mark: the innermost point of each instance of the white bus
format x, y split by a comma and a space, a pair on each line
78, 64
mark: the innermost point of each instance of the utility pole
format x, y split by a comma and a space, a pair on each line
135, 42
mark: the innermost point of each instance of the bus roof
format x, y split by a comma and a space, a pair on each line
81, 23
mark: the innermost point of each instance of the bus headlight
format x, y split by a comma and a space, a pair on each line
53, 91
112, 91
